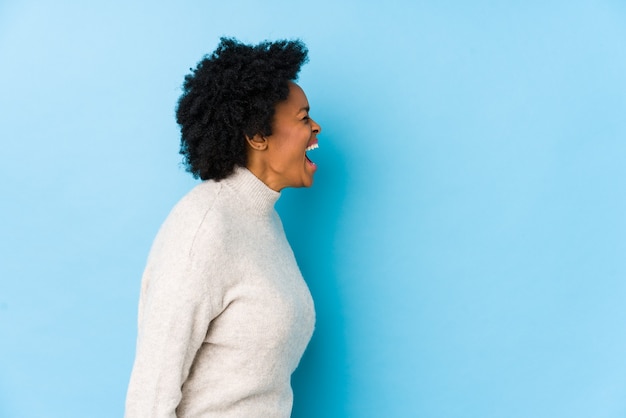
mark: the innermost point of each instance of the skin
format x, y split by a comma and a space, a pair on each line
279, 160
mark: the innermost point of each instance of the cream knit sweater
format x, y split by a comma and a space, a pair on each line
224, 314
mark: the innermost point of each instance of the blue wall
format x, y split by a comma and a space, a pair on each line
465, 240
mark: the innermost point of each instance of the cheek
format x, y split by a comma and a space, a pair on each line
289, 146
292, 143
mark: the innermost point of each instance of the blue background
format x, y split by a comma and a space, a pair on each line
464, 241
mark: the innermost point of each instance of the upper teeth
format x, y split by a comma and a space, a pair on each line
312, 147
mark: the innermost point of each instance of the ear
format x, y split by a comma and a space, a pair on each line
258, 142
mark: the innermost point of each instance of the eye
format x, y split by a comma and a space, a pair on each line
306, 118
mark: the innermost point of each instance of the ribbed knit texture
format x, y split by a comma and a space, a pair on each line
224, 314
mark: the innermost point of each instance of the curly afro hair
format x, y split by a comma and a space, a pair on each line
231, 95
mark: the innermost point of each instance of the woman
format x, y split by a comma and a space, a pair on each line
224, 314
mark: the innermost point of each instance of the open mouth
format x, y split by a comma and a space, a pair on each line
310, 148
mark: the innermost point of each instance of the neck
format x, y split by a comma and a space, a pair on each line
264, 173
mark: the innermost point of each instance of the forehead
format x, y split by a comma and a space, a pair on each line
296, 101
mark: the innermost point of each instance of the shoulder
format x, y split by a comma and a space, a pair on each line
181, 253
197, 201
190, 215
192, 209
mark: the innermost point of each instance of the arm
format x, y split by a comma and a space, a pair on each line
175, 311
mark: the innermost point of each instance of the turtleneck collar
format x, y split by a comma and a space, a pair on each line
251, 190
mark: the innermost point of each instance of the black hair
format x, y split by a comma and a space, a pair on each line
231, 95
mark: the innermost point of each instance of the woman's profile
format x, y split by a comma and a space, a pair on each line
224, 313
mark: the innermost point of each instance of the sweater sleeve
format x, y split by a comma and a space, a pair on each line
175, 310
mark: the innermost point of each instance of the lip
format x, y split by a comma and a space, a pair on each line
314, 141
310, 147
310, 163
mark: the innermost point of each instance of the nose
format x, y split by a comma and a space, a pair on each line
316, 127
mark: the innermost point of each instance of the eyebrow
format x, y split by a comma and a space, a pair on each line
307, 108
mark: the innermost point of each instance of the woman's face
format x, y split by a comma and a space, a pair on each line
293, 133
